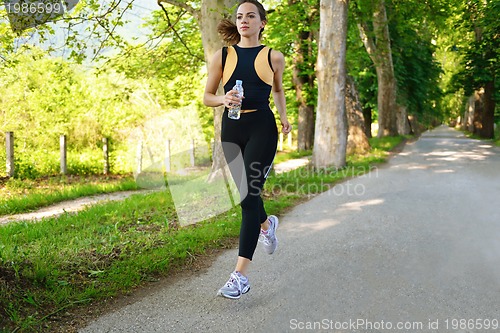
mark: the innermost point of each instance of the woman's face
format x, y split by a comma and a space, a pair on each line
248, 20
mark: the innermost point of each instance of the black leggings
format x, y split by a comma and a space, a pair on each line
254, 137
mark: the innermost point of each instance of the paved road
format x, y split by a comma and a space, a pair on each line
414, 243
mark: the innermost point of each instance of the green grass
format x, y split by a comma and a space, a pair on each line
56, 265
19, 196
74, 259
496, 140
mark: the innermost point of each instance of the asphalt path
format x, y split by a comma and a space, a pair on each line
412, 246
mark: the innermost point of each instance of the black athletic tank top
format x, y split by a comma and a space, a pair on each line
253, 66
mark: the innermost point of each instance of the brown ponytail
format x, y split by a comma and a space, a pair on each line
229, 32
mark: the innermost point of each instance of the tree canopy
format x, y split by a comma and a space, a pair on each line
83, 76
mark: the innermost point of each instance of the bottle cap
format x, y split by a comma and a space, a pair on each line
239, 82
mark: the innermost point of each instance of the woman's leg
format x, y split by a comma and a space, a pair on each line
258, 156
258, 150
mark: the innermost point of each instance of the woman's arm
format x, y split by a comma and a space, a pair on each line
278, 62
210, 97
214, 76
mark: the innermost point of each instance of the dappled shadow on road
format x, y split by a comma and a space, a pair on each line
464, 152
358, 205
322, 224
443, 154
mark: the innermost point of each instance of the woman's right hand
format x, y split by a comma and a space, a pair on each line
231, 98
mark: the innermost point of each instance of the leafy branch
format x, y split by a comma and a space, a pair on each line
172, 26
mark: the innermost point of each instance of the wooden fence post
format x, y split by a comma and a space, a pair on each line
280, 142
192, 153
105, 150
63, 151
167, 156
139, 157
9, 143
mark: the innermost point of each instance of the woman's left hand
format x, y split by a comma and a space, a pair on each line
286, 127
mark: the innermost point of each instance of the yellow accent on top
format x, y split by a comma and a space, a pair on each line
261, 65
230, 66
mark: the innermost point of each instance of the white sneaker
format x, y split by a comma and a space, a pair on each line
269, 238
236, 286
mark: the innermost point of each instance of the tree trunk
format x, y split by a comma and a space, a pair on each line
488, 118
465, 118
379, 50
469, 113
367, 116
385, 101
402, 119
305, 136
303, 82
478, 112
386, 98
208, 17
415, 127
330, 139
357, 141
484, 103
484, 111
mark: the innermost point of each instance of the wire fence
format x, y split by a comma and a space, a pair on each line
135, 156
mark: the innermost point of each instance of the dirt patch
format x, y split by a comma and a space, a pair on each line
70, 206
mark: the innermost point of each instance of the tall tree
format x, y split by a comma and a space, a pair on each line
330, 139
357, 140
481, 62
303, 71
294, 31
414, 29
208, 14
374, 30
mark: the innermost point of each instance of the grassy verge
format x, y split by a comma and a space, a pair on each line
19, 196
48, 269
495, 141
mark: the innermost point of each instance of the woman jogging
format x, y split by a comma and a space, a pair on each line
254, 135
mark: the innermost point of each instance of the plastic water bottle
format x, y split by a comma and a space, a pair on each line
234, 110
